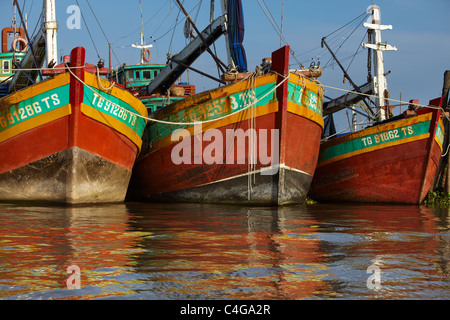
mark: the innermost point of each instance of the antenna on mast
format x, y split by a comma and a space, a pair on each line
142, 46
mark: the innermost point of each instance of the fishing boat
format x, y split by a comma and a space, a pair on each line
254, 140
66, 134
393, 160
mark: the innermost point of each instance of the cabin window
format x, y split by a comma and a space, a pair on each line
155, 73
6, 67
137, 75
130, 75
146, 74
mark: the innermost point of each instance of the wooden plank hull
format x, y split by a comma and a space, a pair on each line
58, 142
394, 162
214, 165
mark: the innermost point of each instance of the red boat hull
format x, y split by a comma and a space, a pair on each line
157, 178
282, 125
402, 172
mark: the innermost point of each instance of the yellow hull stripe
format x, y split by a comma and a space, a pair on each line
381, 128
235, 118
305, 113
35, 90
112, 122
382, 146
35, 122
119, 93
376, 138
439, 136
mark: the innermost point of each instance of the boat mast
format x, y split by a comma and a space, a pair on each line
379, 80
51, 26
142, 34
142, 46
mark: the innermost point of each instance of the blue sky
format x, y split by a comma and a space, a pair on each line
421, 32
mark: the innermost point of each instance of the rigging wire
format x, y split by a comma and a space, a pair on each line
266, 11
170, 29
150, 19
38, 23
104, 34
173, 30
334, 38
348, 36
198, 6
87, 28
107, 40
359, 49
365, 14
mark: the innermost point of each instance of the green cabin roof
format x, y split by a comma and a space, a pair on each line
138, 75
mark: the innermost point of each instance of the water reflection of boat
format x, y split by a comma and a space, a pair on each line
397, 239
40, 243
214, 252
220, 252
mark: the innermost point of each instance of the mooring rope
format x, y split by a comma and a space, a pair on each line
43, 69
389, 99
250, 96
256, 101
183, 123
100, 83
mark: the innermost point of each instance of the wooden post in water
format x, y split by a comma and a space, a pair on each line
445, 92
442, 179
445, 89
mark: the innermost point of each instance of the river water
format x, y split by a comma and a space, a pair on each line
214, 252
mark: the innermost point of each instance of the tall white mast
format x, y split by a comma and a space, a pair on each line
51, 26
380, 84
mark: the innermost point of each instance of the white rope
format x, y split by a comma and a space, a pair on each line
446, 151
43, 69
251, 104
251, 123
100, 83
181, 123
223, 117
388, 99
